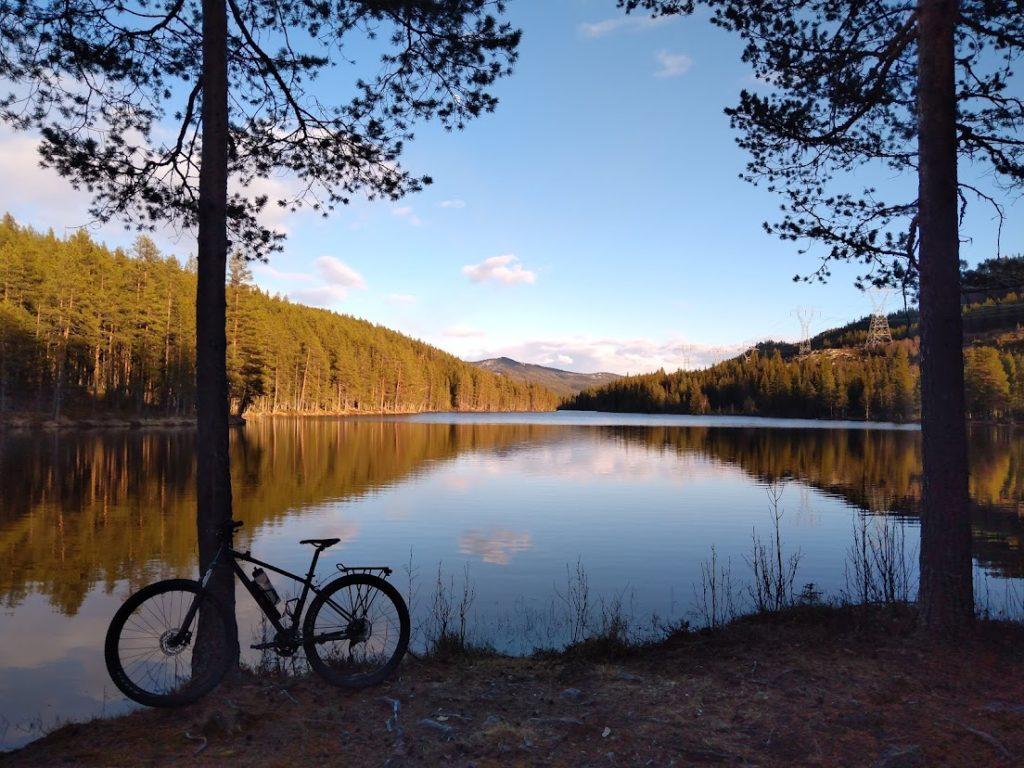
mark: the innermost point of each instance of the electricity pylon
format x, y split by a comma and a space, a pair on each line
879, 333
805, 316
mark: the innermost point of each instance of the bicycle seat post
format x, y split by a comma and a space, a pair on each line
312, 565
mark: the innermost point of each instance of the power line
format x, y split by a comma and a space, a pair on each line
805, 316
879, 333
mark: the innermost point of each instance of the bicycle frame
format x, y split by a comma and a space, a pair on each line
269, 610
257, 594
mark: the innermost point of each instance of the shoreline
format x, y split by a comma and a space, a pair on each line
35, 421
113, 421
815, 686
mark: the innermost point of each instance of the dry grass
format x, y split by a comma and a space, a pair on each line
812, 686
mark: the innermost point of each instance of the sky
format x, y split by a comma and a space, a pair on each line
595, 221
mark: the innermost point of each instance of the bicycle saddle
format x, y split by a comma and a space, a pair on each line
321, 543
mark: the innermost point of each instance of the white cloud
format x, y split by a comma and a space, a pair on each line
463, 331
617, 355
40, 188
321, 296
672, 64
339, 274
504, 269
623, 23
401, 298
339, 279
456, 203
299, 277
276, 188
42, 198
408, 214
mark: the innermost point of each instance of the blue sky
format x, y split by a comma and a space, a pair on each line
595, 221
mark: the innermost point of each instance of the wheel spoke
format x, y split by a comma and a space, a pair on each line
371, 640
145, 651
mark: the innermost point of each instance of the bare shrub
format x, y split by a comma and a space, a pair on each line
774, 573
715, 605
576, 602
877, 565
447, 627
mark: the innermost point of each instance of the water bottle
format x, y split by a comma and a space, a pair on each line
259, 576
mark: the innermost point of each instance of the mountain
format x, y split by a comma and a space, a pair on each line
89, 331
564, 383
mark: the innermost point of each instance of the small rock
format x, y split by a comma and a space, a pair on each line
571, 693
606, 732
491, 721
629, 677
901, 756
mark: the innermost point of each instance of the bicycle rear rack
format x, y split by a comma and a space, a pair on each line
370, 569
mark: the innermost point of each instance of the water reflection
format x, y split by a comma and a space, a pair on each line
79, 509
85, 517
495, 547
82, 508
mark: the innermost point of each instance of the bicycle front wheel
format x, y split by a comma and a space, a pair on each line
151, 660
356, 631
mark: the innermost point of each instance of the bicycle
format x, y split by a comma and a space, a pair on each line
149, 644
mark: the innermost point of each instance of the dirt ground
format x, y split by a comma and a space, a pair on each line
813, 688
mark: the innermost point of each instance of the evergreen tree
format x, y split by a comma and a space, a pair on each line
154, 109
122, 329
988, 387
911, 88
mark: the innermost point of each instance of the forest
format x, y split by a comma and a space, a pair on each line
89, 331
832, 384
839, 378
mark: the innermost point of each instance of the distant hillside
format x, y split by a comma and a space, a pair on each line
88, 331
839, 378
564, 383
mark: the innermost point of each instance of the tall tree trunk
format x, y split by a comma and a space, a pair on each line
213, 477
167, 355
947, 591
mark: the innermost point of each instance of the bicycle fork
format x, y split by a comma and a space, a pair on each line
184, 633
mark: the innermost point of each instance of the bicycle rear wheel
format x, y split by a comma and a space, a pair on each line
151, 661
356, 631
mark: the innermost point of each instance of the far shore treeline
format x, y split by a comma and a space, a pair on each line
839, 378
86, 330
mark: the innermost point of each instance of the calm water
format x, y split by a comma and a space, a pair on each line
85, 518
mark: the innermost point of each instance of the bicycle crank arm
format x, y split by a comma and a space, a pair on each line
327, 637
264, 646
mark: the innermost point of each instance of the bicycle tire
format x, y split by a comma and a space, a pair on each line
350, 674
147, 616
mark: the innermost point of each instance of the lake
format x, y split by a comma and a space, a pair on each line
521, 503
